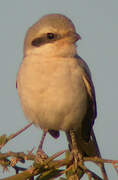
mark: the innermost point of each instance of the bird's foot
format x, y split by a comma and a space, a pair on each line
76, 153
41, 153
75, 170
41, 156
77, 157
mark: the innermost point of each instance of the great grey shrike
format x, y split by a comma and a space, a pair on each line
54, 83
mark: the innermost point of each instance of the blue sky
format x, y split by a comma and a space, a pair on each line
97, 23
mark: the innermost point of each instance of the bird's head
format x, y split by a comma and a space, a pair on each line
53, 34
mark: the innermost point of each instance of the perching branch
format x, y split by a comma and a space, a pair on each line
47, 167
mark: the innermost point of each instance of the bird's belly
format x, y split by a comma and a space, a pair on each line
53, 101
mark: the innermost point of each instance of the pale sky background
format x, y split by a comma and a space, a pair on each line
97, 23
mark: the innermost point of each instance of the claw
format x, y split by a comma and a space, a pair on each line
76, 153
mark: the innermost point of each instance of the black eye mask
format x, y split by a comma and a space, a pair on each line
45, 38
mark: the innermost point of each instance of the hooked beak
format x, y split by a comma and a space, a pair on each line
73, 36
77, 37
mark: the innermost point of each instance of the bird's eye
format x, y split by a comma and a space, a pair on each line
50, 35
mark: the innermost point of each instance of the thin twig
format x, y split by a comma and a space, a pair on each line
103, 171
95, 176
115, 167
20, 131
7, 139
54, 156
89, 175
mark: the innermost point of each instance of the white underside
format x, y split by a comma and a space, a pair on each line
52, 92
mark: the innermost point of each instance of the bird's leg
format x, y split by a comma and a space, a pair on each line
77, 154
42, 139
40, 152
76, 172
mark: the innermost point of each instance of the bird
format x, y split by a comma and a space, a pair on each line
54, 83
